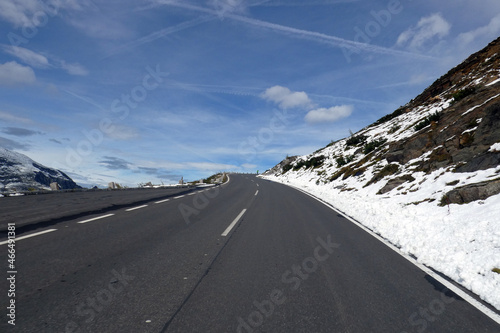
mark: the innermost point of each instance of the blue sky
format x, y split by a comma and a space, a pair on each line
138, 91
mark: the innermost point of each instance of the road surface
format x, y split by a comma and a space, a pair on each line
247, 256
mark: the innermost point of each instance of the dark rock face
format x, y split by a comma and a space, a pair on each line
464, 139
62, 179
393, 183
282, 167
458, 75
472, 192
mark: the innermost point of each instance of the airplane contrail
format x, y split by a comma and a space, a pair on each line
299, 33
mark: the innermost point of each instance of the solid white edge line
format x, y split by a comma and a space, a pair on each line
28, 236
231, 226
138, 207
228, 180
96, 218
469, 299
162, 201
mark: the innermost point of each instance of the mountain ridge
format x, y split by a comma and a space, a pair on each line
18, 172
454, 121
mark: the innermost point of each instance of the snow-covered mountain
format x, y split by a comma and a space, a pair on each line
427, 176
18, 172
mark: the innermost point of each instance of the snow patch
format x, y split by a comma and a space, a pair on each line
495, 148
478, 106
470, 130
492, 83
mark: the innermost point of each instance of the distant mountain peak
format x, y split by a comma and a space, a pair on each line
20, 173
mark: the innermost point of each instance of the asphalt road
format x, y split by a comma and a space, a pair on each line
32, 211
247, 256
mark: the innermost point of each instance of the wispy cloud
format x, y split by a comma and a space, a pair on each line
122, 132
427, 29
95, 23
17, 131
21, 12
301, 3
162, 33
6, 116
203, 91
38, 60
203, 166
491, 30
85, 99
210, 167
74, 69
299, 33
218, 89
115, 163
27, 56
223, 7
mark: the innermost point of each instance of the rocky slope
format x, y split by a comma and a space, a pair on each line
425, 177
20, 173
453, 125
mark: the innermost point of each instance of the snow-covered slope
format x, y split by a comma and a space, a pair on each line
18, 172
426, 177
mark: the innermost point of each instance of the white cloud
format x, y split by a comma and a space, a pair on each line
285, 98
74, 69
12, 73
427, 29
19, 12
491, 30
27, 56
329, 115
